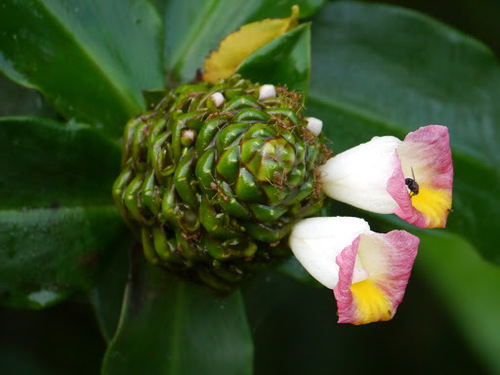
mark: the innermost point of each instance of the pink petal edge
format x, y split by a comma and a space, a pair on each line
435, 142
436, 154
342, 291
400, 254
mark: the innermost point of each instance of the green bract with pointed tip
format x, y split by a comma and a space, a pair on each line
214, 178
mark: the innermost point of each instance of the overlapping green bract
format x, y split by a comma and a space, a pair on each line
212, 190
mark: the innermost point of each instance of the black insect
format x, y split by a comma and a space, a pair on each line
412, 184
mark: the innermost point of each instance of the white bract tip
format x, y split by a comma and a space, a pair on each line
314, 125
317, 241
217, 98
267, 91
359, 176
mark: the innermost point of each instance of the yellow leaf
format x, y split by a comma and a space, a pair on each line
237, 46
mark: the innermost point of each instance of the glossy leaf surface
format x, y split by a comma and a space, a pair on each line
107, 296
468, 286
17, 100
289, 319
47, 254
90, 60
422, 73
283, 61
57, 219
194, 28
171, 327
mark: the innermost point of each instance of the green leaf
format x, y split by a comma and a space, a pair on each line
57, 218
107, 296
173, 327
29, 337
284, 60
279, 9
295, 331
468, 287
294, 270
188, 43
91, 60
18, 100
380, 70
14, 360
47, 254
46, 164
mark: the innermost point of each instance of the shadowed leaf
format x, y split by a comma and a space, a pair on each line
169, 326
57, 218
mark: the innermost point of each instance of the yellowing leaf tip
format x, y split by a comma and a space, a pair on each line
237, 46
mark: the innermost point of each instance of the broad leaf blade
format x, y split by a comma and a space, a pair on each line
173, 327
279, 9
283, 61
293, 269
295, 331
47, 254
90, 61
107, 296
46, 164
468, 287
17, 100
57, 218
380, 70
188, 43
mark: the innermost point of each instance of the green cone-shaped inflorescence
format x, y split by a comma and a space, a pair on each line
214, 178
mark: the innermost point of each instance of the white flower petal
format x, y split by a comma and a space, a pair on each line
359, 175
317, 241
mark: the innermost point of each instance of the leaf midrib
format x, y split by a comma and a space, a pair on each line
186, 43
105, 71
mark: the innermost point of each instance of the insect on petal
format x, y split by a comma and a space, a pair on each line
411, 178
425, 156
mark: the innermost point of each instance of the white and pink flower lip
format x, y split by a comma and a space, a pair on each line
373, 176
367, 271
